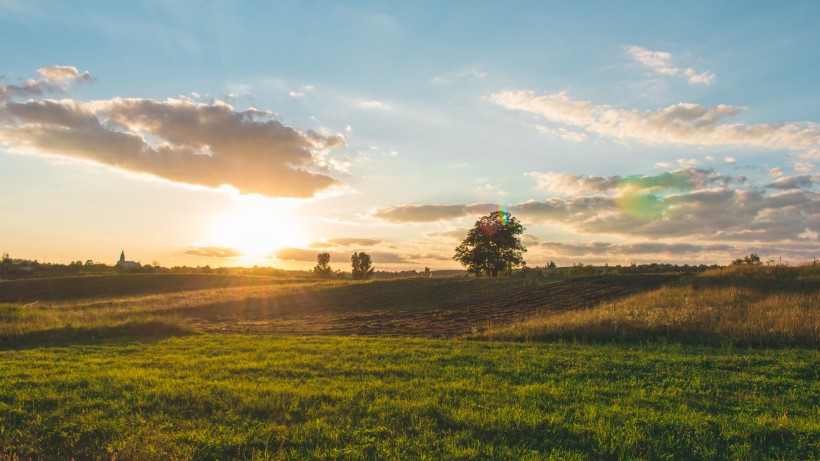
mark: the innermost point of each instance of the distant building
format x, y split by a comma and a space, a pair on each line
125, 264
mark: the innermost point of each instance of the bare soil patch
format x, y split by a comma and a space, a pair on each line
413, 307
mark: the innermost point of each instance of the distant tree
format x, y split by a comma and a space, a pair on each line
361, 265
751, 260
551, 265
322, 269
492, 245
427, 272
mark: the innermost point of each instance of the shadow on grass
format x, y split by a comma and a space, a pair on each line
69, 335
103, 286
639, 336
782, 285
416, 307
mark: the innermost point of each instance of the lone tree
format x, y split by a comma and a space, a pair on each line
492, 245
751, 260
361, 265
322, 269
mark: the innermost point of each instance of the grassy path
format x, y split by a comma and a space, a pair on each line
324, 397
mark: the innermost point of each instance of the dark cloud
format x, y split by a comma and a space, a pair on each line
682, 179
795, 182
599, 252
705, 214
612, 250
431, 213
214, 252
178, 140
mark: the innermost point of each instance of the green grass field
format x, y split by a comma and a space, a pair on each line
262, 397
527, 369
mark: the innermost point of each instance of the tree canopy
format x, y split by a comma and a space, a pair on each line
361, 265
322, 269
492, 245
751, 260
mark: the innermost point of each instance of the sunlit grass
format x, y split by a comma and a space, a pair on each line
745, 305
103, 378
253, 397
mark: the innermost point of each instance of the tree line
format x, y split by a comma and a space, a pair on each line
492, 247
360, 261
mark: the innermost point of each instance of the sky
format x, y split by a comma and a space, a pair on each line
262, 133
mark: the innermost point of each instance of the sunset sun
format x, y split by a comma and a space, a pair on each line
257, 227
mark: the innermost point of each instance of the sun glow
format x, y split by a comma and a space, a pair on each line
257, 227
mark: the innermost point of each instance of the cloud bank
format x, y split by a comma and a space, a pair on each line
687, 204
178, 140
682, 124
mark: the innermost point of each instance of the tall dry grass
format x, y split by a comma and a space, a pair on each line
765, 306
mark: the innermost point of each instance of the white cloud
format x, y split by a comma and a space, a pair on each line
563, 133
569, 184
301, 91
681, 124
62, 75
688, 162
54, 79
178, 140
373, 104
775, 172
469, 75
802, 167
661, 63
492, 189
729, 160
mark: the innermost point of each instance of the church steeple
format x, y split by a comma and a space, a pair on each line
122, 256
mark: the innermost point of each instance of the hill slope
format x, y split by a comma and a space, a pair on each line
412, 307
772, 306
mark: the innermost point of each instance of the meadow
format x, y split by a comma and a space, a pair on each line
604, 367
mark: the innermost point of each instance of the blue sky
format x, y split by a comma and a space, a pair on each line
239, 133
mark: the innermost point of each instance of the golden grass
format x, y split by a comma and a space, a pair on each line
714, 308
